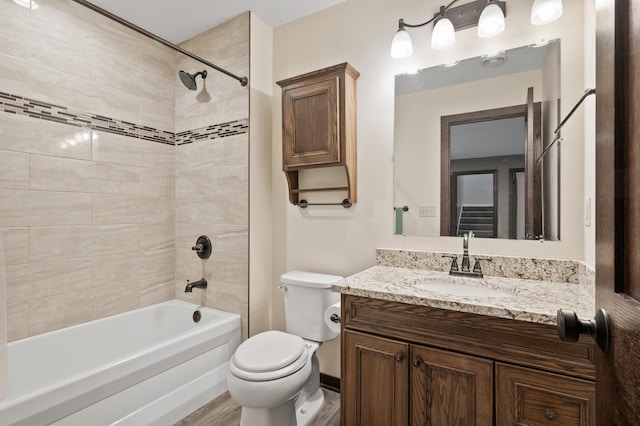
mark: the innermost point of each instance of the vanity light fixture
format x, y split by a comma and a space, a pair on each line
29, 4
449, 20
545, 11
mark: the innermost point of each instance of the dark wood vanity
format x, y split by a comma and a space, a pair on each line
405, 364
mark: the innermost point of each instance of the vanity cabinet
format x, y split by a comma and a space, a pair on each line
415, 365
319, 125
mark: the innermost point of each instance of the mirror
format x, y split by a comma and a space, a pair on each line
468, 137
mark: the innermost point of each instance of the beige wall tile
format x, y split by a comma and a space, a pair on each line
229, 151
13, 79
158, 115
118, 268
52, 313
156, 289
65, 242
155, 209
39, 208
230, 258
63, 174
35, 136
157, 182
14, 170
16, 245
231, 210
17, 321
212, 181
115, 208
117, 149
31, 281
155, 236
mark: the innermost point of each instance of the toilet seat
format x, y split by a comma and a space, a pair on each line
269, 356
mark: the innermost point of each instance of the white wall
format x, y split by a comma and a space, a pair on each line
339, 241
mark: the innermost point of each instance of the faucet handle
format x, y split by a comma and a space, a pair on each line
477, 267
454, 261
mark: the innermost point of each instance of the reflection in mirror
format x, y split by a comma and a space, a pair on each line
477, 127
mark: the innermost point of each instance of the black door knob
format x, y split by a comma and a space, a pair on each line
570, 327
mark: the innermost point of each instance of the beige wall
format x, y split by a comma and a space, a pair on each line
338, 241
4, 367
212, 176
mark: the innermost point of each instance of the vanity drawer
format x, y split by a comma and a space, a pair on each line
518, 342
529, 397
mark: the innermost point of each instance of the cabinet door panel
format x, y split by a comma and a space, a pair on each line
530, 397
375, 381
450, 389
311, 124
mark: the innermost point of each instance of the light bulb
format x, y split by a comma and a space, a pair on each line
491, 21
444, 35
401, 46
545, 11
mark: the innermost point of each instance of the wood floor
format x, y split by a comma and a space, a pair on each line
223, 411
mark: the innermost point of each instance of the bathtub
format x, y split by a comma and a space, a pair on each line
153, 365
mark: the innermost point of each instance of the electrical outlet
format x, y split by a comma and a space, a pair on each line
587, 211
427, 211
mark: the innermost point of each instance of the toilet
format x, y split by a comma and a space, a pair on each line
275, 376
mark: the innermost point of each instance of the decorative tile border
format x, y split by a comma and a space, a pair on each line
15, 104
553, 270
214, 131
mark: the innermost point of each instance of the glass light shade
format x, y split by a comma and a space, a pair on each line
491, 21
545, 11
444, 35
401, 46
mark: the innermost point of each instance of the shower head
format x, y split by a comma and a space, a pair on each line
189, 80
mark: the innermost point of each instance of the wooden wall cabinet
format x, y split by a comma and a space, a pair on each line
319, 125
415, 365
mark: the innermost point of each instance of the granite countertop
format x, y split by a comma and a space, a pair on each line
532, 301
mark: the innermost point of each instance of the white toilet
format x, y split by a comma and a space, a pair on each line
275, 376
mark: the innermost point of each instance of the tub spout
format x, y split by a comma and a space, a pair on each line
199, 284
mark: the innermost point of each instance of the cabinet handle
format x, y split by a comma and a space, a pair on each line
399, 357
417, 362
549, 414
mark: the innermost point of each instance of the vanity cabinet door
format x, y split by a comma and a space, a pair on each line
448, 388
531, 397
375, 381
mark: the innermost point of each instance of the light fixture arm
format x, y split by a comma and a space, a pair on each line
443, 10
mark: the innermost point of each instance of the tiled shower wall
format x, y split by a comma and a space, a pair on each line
88, 166
212, 176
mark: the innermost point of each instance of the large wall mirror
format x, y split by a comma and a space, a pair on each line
468, 140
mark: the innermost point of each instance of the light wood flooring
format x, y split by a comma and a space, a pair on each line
223, 411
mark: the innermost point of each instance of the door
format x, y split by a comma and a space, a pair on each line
448, 388
375, 382
533, 197
618, 208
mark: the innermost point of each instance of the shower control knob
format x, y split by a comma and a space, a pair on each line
203, 247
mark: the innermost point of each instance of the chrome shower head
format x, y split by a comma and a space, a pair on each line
189, 80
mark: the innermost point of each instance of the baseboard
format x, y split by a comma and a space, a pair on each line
330, 382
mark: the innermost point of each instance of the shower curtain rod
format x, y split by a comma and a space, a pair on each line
243, 80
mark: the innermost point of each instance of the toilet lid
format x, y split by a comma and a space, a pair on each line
268, 356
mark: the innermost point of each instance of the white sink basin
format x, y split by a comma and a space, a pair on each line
463, 290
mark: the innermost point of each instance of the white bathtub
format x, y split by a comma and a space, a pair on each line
154, 365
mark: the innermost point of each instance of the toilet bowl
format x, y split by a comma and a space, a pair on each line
267, 375
274, 375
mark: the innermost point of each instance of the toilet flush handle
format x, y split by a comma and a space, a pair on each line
282, 288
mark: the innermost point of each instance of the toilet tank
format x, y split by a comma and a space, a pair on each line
306, 296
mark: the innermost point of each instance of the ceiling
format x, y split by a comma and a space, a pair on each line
179, 20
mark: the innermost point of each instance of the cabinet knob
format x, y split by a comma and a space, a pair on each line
549, 414
399, 357
570, 327
417, 362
